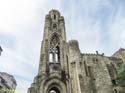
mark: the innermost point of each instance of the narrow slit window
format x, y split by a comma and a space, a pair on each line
54, 17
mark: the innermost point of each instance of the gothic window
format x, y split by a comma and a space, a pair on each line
54, 52
54, 26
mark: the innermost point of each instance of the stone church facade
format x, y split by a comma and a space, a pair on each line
64, 69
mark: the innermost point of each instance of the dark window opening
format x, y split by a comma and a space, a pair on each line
54, 26
115, 91
114, 82
54, 17
96, 60
1, 87
47, 69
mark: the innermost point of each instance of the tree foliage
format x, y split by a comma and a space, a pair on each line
121, 75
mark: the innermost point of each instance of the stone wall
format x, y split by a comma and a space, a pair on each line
75, 72
120, 54
7, 83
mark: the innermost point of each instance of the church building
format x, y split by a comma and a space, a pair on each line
63, 68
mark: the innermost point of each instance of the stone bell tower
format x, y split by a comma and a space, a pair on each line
53, 66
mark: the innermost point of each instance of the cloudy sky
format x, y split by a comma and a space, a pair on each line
96, 24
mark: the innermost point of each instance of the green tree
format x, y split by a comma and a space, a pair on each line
121, 75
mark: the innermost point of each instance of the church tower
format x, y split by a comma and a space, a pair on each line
53, 66
64, 69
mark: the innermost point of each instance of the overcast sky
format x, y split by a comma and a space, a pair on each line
96, 24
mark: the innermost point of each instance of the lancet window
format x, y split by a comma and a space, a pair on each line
54, 51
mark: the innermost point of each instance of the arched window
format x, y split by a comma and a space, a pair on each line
54, 52
54, 26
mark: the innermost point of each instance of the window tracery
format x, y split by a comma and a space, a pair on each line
54, 51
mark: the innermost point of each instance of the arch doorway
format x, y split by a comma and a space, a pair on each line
54, 90
53, 85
